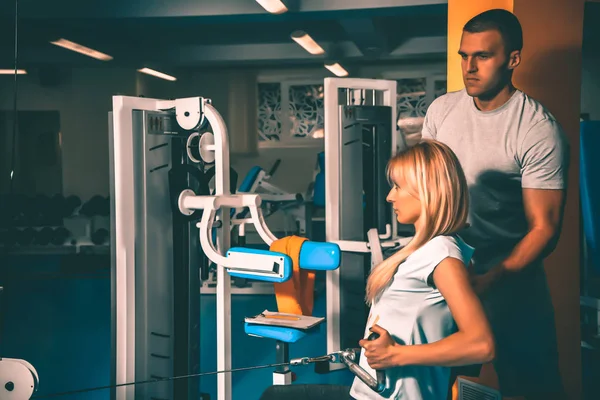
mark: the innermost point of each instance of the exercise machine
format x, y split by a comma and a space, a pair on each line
161, 210
293, 205
18, 378
167, 226
360, 138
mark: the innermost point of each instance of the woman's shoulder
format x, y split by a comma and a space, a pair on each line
443, 241
447, 245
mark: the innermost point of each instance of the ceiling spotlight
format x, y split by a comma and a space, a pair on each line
304, 40
337, 69
157, 74
273, 6
67, 44
12, 72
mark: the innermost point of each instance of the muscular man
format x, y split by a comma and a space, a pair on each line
515, 157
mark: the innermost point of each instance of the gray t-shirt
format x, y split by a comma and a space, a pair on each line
518, 145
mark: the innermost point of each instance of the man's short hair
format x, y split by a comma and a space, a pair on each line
504, 22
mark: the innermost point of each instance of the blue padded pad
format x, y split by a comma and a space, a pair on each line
321, 161
247, 183
287, 266
319, 188
249, 179
319, 191
319, 255
589, 187
287, 335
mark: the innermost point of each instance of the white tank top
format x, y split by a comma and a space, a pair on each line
413, 312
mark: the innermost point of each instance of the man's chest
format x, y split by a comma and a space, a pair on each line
483, 147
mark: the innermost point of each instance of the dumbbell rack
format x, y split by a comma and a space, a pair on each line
40, 224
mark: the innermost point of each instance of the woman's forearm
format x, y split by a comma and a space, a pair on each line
455, 350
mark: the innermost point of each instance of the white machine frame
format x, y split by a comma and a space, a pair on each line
189, 112
333, 146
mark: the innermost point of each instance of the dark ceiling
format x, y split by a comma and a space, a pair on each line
220, 32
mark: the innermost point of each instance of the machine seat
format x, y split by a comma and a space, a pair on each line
280, 333
313, 256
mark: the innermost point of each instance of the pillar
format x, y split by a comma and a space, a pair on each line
550, 71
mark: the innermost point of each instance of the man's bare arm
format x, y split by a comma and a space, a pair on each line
544, 211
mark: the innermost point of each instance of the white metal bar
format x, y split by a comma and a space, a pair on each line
208, 247
388, 232
257, 181
261, 226
123, 107
216, 202
352, 246
332, 218
333, 146
375, 245
278, 197
223, 243
272, 188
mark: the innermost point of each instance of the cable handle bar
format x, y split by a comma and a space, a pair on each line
348, 358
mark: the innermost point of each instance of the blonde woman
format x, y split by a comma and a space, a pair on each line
422, 304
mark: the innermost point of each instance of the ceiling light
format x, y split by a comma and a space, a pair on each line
67, 44
304, 40
273, 6
12, 72
157, 74
318, 133
337, 69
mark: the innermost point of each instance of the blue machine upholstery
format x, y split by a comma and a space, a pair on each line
249, 179
590, 189
314, 256
319, 189
284, 334
319, 256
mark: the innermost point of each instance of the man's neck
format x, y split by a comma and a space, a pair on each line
496, 99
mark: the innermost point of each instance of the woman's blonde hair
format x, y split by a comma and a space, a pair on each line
430, 172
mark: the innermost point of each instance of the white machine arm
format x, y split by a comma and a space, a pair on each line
374, 245
188, 201
18, 379
365, 247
